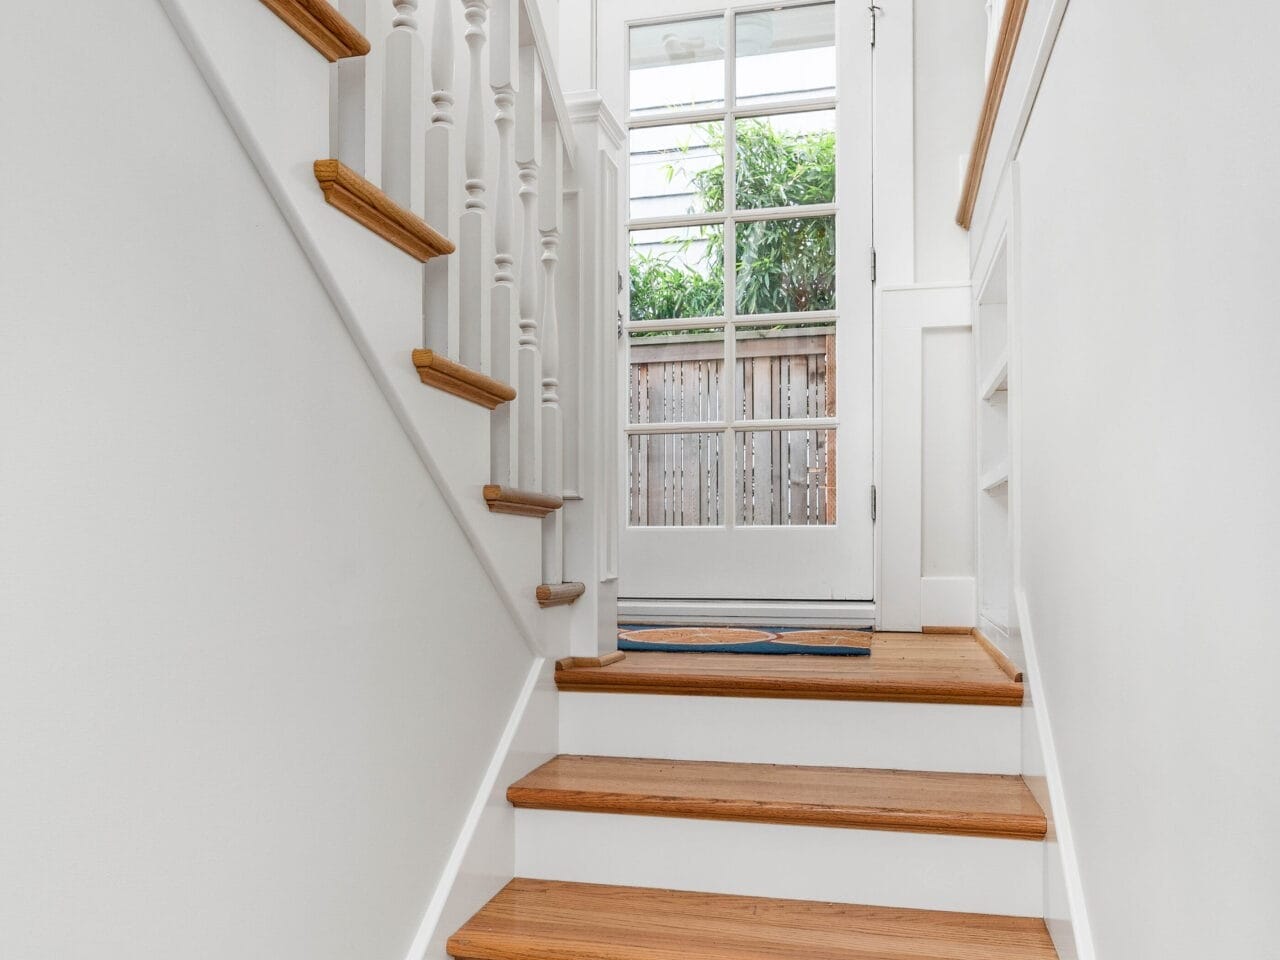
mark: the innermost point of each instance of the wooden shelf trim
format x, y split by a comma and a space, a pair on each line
366, 204
1015, 12
444, 374
961, 804
559, 594
1002, 661
322, 26
549, 920
520, 503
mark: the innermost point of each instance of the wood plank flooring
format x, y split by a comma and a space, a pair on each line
955, 803
911, 667
546, 920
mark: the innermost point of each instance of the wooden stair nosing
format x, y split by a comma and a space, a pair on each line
585, 680
359, 199
520, 503
569, 663
559, 594
321, 25
552, 920
960, 804
444, 374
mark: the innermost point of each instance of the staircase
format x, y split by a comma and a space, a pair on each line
702, 806
750, 807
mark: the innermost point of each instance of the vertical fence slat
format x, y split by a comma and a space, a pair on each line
550, 223
503, 71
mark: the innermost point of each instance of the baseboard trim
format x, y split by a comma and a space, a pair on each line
1008, 666
427, 929
1081, 932
781, 613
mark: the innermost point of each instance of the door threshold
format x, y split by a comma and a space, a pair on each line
775, 613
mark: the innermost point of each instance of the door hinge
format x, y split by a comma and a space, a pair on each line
873, 503
873, 264
874, 10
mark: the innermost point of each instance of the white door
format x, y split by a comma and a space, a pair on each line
748, 338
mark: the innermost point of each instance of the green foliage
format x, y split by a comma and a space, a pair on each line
783, 265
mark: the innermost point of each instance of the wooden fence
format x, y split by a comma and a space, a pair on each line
781, 477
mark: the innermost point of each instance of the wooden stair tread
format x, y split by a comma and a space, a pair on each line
972, 804
321, 25
452, 377
559, 594
547, 920
367, 205
918, 668
520, 503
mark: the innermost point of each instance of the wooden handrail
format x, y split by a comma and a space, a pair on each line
1010, 28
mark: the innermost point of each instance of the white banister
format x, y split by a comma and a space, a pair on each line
346, 98
439, 207
550, 219
471, 229
528, 152
400, 113
504, 45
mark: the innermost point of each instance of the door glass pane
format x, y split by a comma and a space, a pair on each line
677, 66
673, 480
786, 54
675, 375
785, 372
786, 265
677, 169
677, 272
785, 478
786, 160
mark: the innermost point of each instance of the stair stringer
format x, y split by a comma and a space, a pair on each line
274, 92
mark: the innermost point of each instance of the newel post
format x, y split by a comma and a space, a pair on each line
550, 221
439, 205
528, 153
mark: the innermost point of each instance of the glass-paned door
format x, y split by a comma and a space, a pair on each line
748, 336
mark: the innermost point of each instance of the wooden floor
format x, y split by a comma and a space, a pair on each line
545, 920
956, 803
920, 668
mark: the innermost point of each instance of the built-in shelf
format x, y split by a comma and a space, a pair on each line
998, 378
995, 478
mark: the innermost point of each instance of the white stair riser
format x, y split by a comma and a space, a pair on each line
879, 867
900, 736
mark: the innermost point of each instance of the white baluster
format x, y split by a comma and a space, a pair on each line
439, 207
471, 229
528, 148
550, 218
346, 98
503, 71
401, 115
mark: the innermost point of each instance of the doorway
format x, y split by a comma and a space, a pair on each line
748, 338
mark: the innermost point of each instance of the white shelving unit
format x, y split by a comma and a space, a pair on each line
992, 346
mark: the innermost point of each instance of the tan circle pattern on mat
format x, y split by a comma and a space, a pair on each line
826, 638
696, 635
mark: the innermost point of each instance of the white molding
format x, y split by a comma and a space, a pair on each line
480, 804
892, 868
1062, 832
280, 195
587, 106
780, 613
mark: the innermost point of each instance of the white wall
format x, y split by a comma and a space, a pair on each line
252, 673
1149, 514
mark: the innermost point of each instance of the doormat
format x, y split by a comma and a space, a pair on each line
768, 640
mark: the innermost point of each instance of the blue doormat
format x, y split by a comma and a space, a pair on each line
760, 640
